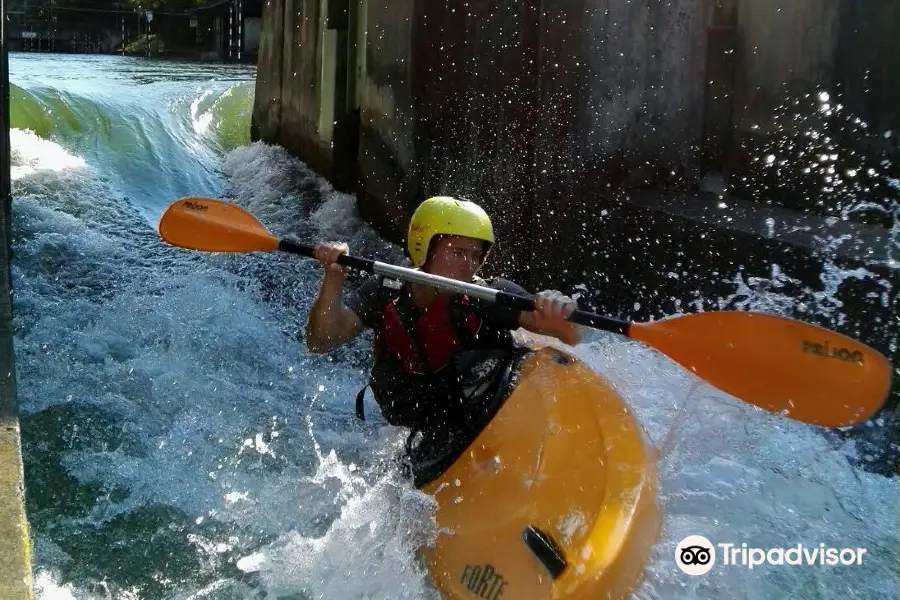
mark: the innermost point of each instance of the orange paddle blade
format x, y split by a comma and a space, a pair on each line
784, 366
214, 226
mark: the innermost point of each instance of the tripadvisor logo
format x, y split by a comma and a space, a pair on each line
696, 555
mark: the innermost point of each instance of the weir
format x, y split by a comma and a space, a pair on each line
15, 544
664, 158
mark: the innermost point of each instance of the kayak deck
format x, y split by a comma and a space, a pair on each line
554, 499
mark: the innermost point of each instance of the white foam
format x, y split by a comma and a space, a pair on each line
200, 118
368, 550
32, 154
46, 588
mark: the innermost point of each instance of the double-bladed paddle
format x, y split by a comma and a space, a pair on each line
782, 365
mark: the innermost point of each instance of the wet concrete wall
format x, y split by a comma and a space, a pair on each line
15, 543
286, 110
306, 81
511, 104
386, 99
477, 99
594, 132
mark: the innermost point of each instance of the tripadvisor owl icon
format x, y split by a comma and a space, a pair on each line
695, 555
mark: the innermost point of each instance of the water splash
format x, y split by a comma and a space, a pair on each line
368, 551
734, 473
815, 157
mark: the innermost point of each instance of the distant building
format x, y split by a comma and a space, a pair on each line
236, 24
221, 30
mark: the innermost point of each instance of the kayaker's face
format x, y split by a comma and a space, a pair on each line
456, 257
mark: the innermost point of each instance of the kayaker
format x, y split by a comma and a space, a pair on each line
438, 357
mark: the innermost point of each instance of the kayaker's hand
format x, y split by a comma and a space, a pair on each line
327, 255
554, 305
552, 309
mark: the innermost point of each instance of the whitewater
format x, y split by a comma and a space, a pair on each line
181, 443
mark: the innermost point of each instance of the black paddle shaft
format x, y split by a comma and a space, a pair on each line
501, 298
360, 264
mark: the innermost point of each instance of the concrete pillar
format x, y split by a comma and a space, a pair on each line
786, 50
720, 74
267, 98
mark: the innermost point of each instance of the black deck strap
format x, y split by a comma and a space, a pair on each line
546, 550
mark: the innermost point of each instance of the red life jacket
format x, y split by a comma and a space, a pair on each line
436, 335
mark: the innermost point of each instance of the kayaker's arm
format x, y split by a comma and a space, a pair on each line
330, 324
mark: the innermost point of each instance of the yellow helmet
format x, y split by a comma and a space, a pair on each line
448, 216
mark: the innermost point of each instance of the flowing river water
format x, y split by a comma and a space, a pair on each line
181, 443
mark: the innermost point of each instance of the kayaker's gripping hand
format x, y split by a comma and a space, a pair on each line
327, 255
552, 309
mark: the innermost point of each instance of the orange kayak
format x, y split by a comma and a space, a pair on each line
555, 498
